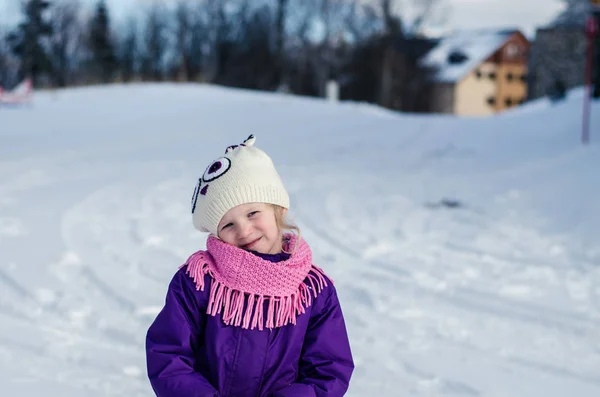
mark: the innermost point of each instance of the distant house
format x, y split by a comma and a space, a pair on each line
557, 60
558, 53
479, 72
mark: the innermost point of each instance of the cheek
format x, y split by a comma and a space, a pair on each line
227, 235
269, 225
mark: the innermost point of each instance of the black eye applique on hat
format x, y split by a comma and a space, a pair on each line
215, 170
218, 167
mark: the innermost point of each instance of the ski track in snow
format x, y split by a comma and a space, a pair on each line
467, 298
384, 277
76, 322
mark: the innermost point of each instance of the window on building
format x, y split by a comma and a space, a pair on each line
478, 73
492, 75
521, 101
508, 102
457, 57
510, 76
491, 101
524, 78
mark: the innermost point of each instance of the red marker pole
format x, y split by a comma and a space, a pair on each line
591, 30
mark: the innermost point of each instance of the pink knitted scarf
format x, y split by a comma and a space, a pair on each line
243, 284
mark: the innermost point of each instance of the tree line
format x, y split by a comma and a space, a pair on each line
295, 46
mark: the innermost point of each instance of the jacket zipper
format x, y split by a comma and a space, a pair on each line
234, 366
262, 371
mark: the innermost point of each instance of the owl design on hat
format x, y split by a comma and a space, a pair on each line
245, 174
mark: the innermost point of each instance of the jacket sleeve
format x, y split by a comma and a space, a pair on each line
326, 364
169, 354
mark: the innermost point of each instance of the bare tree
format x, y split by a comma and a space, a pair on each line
128, 51
392, 30
183, 26
384, 67
219, 32
322, 61
316, 43
252, 59
390, 19
361, 20
280, 35
65, 41
428, 12
298, 77
155, 43
190, 38
322, 31
198, 43
400, 70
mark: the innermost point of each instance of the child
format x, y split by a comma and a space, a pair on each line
251, 315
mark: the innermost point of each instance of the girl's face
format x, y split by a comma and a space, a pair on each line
253, 227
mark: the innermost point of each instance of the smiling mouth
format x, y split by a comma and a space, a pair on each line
250, 244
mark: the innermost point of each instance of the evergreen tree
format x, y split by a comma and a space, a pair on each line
28, 41
3, 60
104, 60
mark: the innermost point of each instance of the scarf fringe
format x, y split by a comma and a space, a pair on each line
236, 310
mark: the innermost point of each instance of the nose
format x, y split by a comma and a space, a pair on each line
244, 230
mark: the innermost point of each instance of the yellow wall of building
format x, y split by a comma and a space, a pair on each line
516, 89
472, 92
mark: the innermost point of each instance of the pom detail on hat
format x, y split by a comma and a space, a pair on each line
248, 142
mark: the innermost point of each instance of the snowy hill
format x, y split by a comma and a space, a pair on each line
465, 251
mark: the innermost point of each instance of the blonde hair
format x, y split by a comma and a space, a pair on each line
284, 224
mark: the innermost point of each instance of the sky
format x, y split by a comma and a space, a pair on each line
464, 251
461, 14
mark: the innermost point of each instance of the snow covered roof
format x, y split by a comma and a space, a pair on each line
458, 54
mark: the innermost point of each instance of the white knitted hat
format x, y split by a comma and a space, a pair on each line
245, 174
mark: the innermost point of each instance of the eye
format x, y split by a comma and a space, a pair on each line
216, 169
227, 226
253, 213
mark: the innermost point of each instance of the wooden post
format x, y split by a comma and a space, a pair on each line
333, 91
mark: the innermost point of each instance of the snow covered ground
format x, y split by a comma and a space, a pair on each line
466, 251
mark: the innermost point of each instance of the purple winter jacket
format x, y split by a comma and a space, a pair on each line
192, 354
